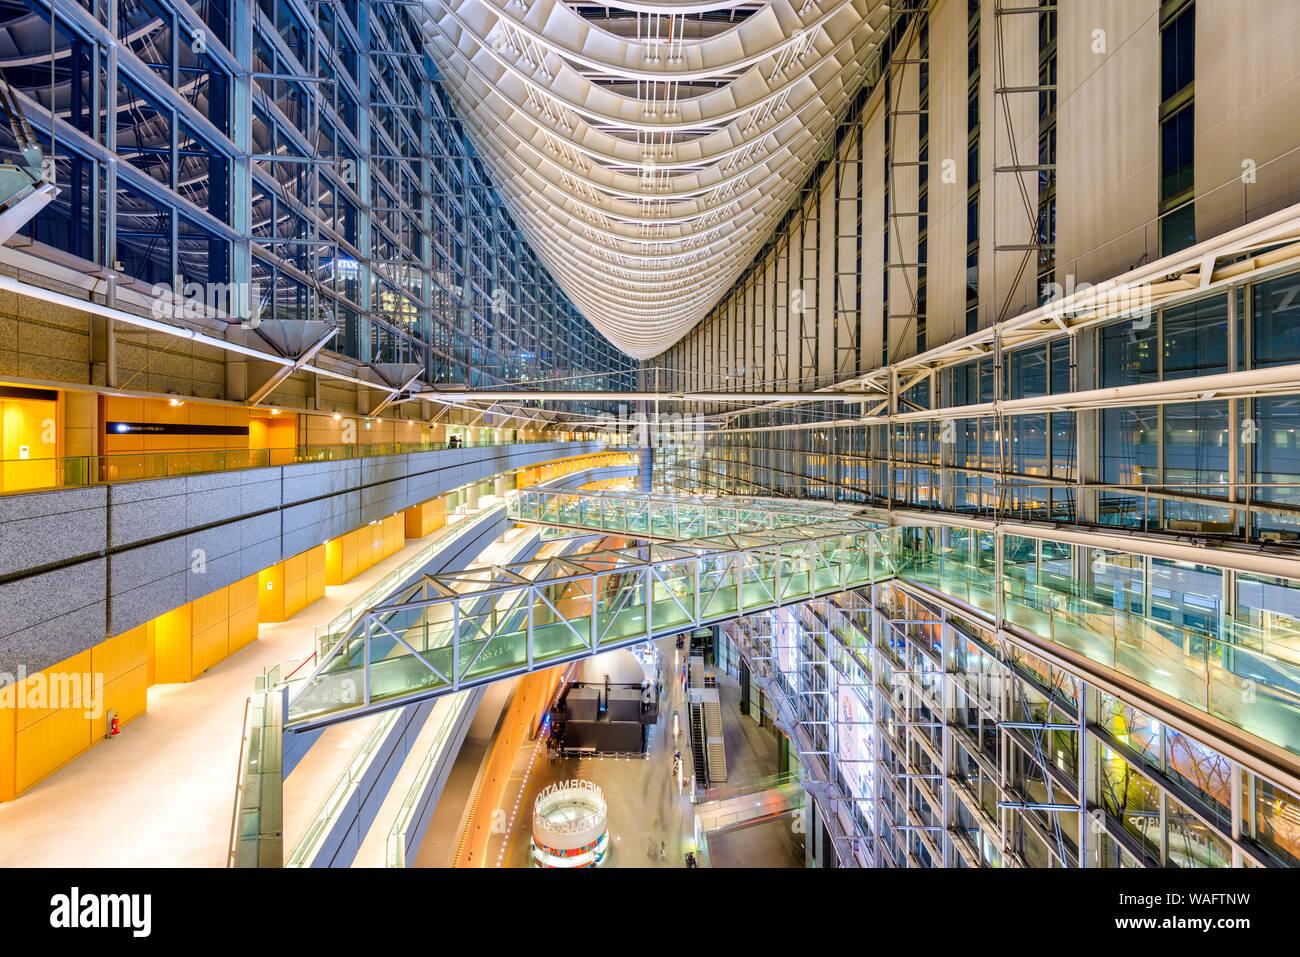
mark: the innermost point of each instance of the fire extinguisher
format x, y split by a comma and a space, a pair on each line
114, 726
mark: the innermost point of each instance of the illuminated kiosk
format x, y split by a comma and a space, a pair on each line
569, 825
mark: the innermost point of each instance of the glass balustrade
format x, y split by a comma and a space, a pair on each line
530, 616
1226, 668
472, 628
45, 474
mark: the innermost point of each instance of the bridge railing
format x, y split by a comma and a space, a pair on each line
469, 628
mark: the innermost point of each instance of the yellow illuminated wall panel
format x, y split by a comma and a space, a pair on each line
425, 518
270, 593
7, 733
29, 436
288, 587
211, 622
295, 585
50, 720
315, 573
173, 654
123, 662
243, 613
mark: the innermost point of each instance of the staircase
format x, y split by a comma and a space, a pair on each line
715, 753
707, 751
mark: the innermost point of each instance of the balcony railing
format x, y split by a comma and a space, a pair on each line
79, 471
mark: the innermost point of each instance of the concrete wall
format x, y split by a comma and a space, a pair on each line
78, 565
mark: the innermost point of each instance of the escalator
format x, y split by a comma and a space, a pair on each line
697, 746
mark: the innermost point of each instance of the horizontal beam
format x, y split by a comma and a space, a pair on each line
1267, 560
1242, 384
537, 395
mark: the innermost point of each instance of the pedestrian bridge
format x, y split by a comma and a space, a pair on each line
703, 560
727, 557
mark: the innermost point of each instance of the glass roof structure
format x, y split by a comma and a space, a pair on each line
649, 149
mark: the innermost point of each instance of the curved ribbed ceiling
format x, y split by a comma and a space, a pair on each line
649, 148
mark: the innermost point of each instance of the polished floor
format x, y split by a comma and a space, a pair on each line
764, 844
650, 819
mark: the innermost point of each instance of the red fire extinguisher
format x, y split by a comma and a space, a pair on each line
113, 725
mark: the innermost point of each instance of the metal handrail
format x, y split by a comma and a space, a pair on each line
239, 785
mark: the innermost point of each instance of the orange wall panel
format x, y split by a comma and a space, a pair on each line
413, 519
295, 597
45, 689
125, 652
211, 610
295, 567
23, 425
315, 573
127, 696
270, 593
49, 744
8, 742
351, 553
315, 585
334, 561
243, 628
243, 594
174, 646
211, 646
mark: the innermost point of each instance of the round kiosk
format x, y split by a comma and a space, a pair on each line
569, 825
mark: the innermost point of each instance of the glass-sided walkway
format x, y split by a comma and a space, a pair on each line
455, 631
669, 517
474, 627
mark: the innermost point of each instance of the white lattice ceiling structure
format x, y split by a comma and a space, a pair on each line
648, 149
